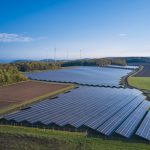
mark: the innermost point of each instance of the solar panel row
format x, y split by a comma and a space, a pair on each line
144, 129
130, 124
67, 103
113, 123
123, 67
96, 76
101, 118
104, 110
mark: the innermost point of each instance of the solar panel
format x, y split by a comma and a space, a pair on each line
98, 120
123, 67
129, 126
113, 123
144, 129
96, 76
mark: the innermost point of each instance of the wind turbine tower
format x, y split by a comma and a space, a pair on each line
55, 54
80, 54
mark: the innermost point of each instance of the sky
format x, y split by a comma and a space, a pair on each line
32, 29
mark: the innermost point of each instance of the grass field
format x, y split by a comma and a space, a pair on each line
140, 82
24, 93
16, 138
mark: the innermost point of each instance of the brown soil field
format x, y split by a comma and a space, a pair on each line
20, 92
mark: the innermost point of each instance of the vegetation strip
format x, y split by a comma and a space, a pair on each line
44, 139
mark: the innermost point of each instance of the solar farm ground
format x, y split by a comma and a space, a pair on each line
20, 94
119, 117
104, 111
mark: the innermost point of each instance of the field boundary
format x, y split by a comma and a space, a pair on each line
124, 79
14, 83
139, 70
127, 84
131, 75
37, 131
66, 135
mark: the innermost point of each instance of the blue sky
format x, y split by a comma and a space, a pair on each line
100, 28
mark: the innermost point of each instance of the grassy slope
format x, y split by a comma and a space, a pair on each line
16, 138
140, 82
27, 102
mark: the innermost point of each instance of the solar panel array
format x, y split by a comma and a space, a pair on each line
123, 67
98, 76
144, 129
131, 123
104, 110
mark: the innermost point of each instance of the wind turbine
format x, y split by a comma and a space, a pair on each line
55, 54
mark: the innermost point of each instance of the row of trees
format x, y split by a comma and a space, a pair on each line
96, 62
118, 61
10, 74
34, 66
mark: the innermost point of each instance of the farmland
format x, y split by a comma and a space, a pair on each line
23, 93
141, 83
141, 79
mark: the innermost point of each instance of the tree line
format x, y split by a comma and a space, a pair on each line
35, 66
10, 74
96, 62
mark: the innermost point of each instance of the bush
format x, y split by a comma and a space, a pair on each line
10, 74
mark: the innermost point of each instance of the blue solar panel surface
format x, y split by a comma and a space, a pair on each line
123, 67
131, 123
99, 76
144, 129
113, 123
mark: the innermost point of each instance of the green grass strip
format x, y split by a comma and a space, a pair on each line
140, 82
74, 140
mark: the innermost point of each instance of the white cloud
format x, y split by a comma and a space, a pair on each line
6, 37
122, 34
